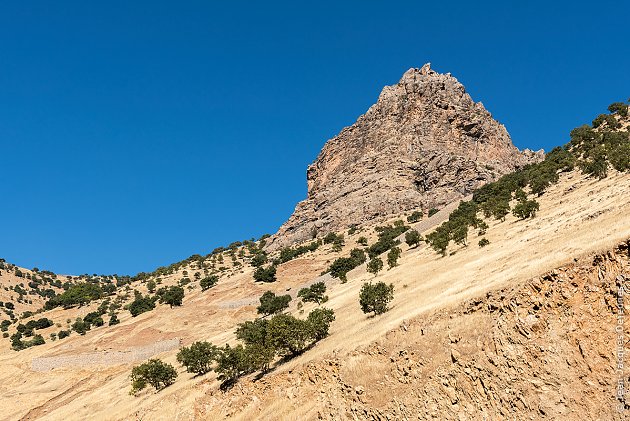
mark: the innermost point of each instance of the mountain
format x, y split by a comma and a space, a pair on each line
425, 143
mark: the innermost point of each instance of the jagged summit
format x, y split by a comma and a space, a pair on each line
423, 144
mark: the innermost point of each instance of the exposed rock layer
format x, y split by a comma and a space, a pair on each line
423, 144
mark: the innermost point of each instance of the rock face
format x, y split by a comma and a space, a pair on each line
423, 144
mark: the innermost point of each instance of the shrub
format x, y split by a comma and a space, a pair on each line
375, 265
289, 335
154, 372
151, 286
208, 282
113, 320
271, 303
265, 274
173, 295
232, 363
76, 294
386, 238
198, 357
314, 293
618, 108
392, 257
141, 305
413, 238
80, 326
414, 217
483, 242
433, 211
63, 334
363, 241
320, 320
332, 238
375, 297
526, 209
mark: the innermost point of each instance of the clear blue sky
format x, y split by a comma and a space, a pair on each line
136, 133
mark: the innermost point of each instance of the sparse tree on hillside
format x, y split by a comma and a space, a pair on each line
392, 256
413, 238
526, 209
198, 357
154, 372
271, 303
173, 295
375, 265
314, 293
208, 282
374, 298
151, 286
265, 274
320, 320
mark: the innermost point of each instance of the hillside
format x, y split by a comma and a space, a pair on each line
506, 297
579, 216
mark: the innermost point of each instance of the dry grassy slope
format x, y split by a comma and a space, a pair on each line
578, 216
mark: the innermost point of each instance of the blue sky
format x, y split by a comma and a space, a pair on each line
134, 134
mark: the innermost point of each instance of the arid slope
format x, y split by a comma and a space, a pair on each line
578, 217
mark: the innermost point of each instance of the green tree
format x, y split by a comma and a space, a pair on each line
374, 298
271, 303
151, 286
414, 217
413, 238
619, 108
363, 241
173, 295
232, 363
198, 357
320, 320
375, 265
289, 335
265, 274
392, 257
483, 242
526, 209
141, 305
208, 282
155, 373
314, 293
433, 211
460, 234
113, 320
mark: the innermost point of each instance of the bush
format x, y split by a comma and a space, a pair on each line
433, 211
154, 372
141, 305
320, 320
173, 295
289, 335
80, 326
314, 293
374, 298
341, 266
63, 334
208, 282
392, 257
113, 320
375, 265
618, 108
151, 286
77, 294
483, 242
271, 303
414, 217
363, 241
526, 209
232, 363
198, 357
413, 238
386, 238
265, 274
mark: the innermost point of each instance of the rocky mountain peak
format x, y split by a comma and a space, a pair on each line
423, 144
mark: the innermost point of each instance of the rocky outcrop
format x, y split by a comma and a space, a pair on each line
423, 144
